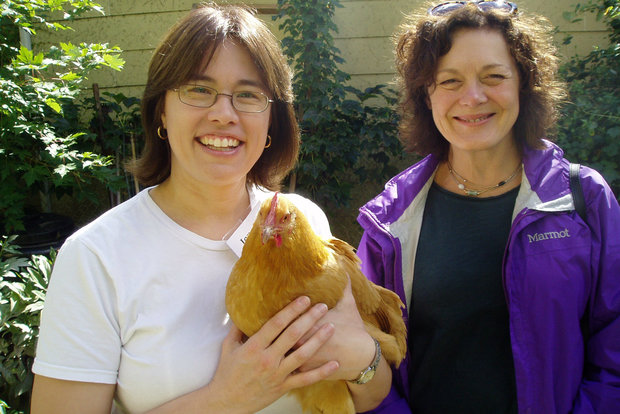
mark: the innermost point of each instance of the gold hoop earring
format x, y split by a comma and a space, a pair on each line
159, 134
268, 141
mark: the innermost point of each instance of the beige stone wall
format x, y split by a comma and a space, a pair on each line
364, 38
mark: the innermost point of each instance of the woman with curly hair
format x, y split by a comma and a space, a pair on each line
513, 298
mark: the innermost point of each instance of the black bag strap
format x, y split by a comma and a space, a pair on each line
577, 191
580, 208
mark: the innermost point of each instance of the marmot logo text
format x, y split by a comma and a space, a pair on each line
536, 237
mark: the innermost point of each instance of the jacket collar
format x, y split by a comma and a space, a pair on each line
401, 191
545, 180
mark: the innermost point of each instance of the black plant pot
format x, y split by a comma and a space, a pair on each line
44, 231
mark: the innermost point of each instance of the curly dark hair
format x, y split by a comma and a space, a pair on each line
185, 51
423, 39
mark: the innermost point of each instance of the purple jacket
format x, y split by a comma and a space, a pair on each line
556, 269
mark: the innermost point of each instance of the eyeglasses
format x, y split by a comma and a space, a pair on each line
450, 6
204, 97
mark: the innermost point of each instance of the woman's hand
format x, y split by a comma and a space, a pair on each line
350, 345
354, 349
260, 370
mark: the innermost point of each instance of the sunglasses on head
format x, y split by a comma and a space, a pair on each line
450, 6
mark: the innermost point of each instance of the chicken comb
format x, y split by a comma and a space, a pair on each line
271, 217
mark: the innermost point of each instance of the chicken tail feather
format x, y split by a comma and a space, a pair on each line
391, 322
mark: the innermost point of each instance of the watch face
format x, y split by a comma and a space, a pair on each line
367, 375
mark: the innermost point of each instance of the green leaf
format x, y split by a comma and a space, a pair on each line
25, 55
70, 76
63, 169
52, 103
614, 132
31, 176
114, 61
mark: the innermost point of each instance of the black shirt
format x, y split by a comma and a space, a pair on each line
458, 331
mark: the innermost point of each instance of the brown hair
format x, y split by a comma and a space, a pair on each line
186, 49
423, 39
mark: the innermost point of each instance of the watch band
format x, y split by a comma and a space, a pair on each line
367, 374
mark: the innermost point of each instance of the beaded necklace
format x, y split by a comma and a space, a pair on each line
476, 193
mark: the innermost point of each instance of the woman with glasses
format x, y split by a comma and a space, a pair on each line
135, 318
513, 298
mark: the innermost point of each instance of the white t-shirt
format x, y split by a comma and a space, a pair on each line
138, 301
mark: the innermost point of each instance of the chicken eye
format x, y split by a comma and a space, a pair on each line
285, 218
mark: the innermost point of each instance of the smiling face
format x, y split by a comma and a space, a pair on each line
475, 98
217, 145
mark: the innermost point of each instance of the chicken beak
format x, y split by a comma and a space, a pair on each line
267, 233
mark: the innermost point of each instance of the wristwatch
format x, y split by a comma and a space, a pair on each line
367, 374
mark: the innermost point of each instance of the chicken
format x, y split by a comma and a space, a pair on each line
283, 259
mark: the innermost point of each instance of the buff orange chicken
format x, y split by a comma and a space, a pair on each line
283, 259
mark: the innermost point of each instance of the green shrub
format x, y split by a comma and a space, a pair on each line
116, 127
36, 156
346, 140
589, 129
23, 283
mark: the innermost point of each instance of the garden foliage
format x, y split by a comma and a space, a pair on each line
38, 153
345, 139
116, 124
589, 127
23, 283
